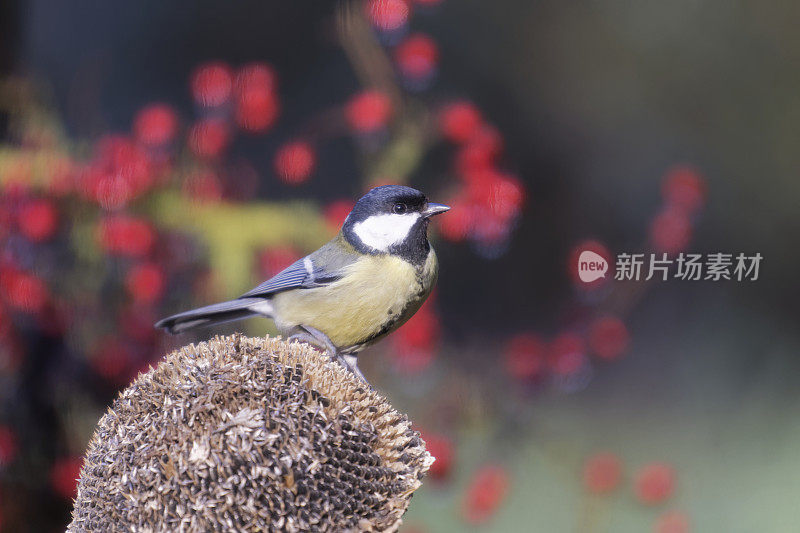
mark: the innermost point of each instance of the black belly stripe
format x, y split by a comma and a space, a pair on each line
394, 317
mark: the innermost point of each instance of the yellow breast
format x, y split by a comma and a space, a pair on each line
374, 297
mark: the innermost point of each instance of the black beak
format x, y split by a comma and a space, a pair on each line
434, 209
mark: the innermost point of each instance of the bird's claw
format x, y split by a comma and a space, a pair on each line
316, 338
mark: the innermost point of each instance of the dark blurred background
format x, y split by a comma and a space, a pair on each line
598, 104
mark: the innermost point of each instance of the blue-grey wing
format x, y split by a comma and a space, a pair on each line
294, 276
311, 271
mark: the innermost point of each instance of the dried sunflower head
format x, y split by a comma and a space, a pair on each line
249, 434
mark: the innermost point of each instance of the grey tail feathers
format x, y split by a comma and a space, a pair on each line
216, 314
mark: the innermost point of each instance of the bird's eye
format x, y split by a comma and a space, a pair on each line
400, 208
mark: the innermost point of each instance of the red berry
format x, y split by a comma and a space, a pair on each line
118, 153
155, 125
655, 483
684, 187
256, 76
38, 220
119, 171
480, 151
125, 235
294, 162
336, 213
256, 110
442, 449
506, 196
108, 189
145, 283
485, 492
525, 356
208, 138
480, 184
671, 230
672, 522
64, 476
8, 446
566, 354
458, 222
416, 56
608, 337
602, 473
368, 111
25, 291
256, 102
211, 84
459, 121
387, 15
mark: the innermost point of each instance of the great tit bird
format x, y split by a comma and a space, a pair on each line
359, 287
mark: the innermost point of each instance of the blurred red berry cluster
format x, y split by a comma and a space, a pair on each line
653, 485
684, 193
241, 99
486, 491
247, 95
388, 15
295, 161
85, 270
76, 263
486, 199
530, 358
599, 333
442, 449
416, 58
369, 111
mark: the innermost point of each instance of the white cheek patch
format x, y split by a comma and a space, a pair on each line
382, 231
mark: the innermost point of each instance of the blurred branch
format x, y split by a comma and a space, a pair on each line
372, 66
404, 151
401, 156
234, 232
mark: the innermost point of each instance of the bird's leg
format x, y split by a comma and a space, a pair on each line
315, 337
324, 341
305, 337
350, 361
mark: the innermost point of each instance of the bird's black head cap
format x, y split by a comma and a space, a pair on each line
391, 200
387, 199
